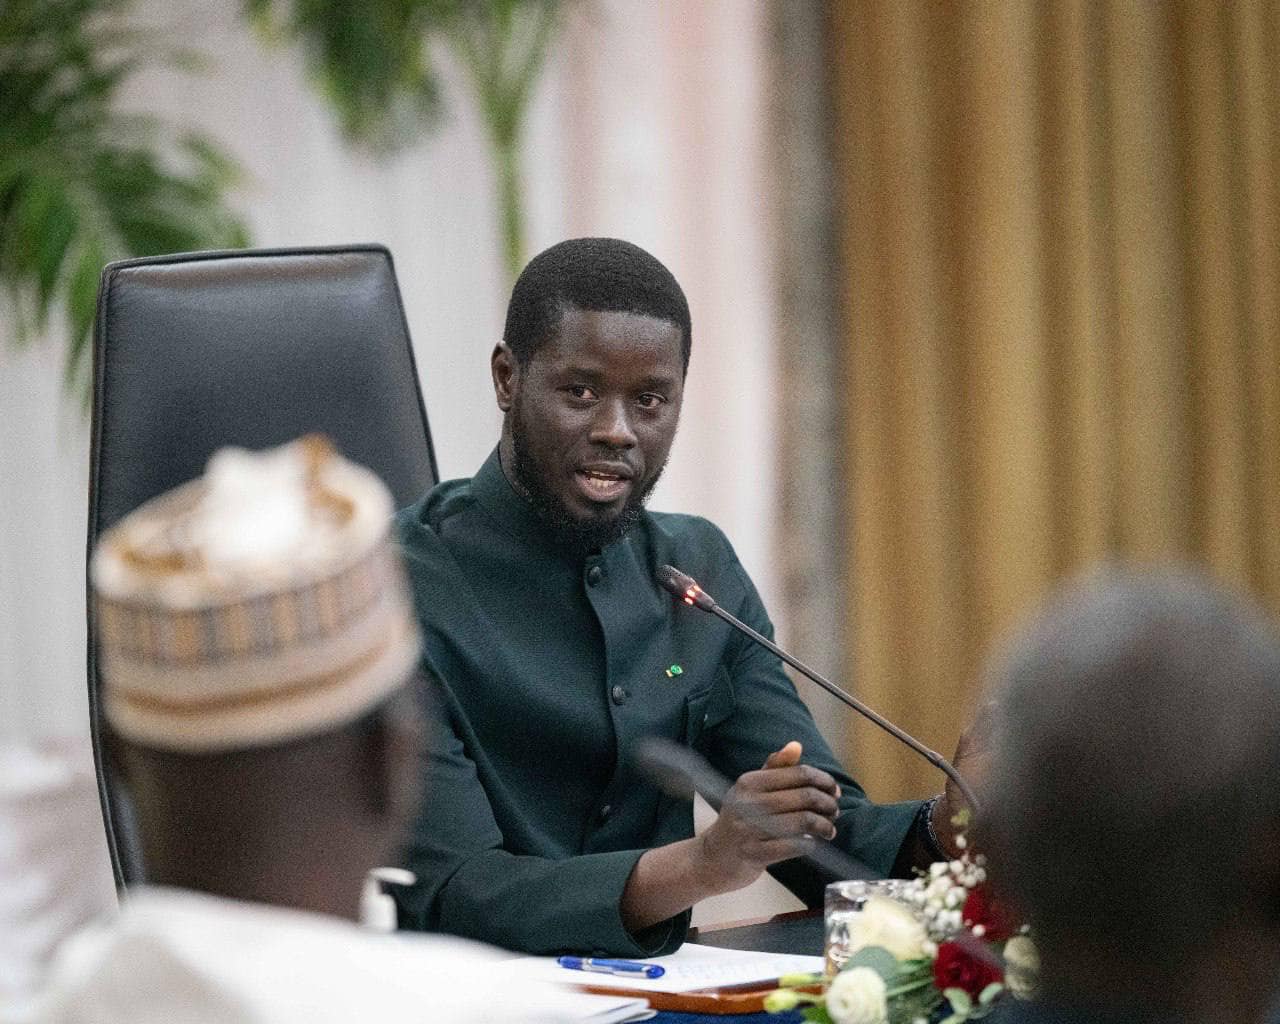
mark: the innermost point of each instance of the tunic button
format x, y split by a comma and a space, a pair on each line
594, 575
619, 694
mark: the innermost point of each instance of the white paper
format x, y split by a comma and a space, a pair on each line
573, 1007
690, 968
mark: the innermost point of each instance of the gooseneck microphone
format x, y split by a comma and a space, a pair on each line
686, 589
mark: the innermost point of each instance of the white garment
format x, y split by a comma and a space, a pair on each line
55, 873
175, 956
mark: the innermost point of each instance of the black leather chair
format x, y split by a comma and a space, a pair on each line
200, 350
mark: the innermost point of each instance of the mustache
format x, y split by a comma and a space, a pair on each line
578, 537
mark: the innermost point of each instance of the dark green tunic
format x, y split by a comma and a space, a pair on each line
547, 670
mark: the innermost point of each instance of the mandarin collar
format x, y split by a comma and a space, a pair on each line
513, 512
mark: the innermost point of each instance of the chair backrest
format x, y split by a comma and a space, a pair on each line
253, 348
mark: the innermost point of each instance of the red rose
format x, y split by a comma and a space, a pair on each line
956, 967
980, 907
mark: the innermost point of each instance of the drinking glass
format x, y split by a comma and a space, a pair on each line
843, 901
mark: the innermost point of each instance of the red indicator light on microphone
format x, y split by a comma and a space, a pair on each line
690, 594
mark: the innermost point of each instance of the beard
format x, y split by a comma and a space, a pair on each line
578, 536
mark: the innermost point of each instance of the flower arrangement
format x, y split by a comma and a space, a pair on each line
942, 951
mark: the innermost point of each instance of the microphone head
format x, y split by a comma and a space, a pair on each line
679, 771
684, 587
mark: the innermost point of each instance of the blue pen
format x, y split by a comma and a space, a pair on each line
621, 968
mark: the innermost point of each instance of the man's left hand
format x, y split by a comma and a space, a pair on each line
971, 760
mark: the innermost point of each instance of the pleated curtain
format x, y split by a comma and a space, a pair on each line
1060, 274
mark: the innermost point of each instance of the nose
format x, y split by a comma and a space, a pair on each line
612, 426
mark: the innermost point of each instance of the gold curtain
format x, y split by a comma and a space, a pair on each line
1061, 281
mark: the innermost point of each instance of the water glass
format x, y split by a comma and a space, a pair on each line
844, 900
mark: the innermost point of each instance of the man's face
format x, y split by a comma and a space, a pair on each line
590, 419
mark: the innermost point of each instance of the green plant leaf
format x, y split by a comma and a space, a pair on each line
82, 293
817, 1014
989, 994
370, 60
376, 65
878, 959
959, 1000
905, 986
82, 183
921, 1002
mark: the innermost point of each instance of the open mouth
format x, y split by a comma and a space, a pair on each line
603, 484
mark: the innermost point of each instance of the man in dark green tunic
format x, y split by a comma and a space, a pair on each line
552, 651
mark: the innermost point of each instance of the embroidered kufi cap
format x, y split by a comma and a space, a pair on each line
262, 602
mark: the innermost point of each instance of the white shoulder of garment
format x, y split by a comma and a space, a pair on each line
173, 956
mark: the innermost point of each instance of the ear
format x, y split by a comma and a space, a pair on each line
506, 375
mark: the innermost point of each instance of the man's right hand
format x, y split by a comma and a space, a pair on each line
768, 816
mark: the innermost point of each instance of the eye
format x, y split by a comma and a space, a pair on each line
582, 392
651, 400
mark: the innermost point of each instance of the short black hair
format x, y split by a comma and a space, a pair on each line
598, 274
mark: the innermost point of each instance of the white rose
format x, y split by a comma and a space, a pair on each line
1022, 966
857, 996
887, 923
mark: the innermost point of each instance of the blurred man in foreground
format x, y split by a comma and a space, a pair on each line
1134, 807
256, 640
53, 876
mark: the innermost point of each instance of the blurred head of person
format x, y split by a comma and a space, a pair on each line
1134, 799
255, 640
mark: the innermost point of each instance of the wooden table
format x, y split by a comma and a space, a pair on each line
796, 932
